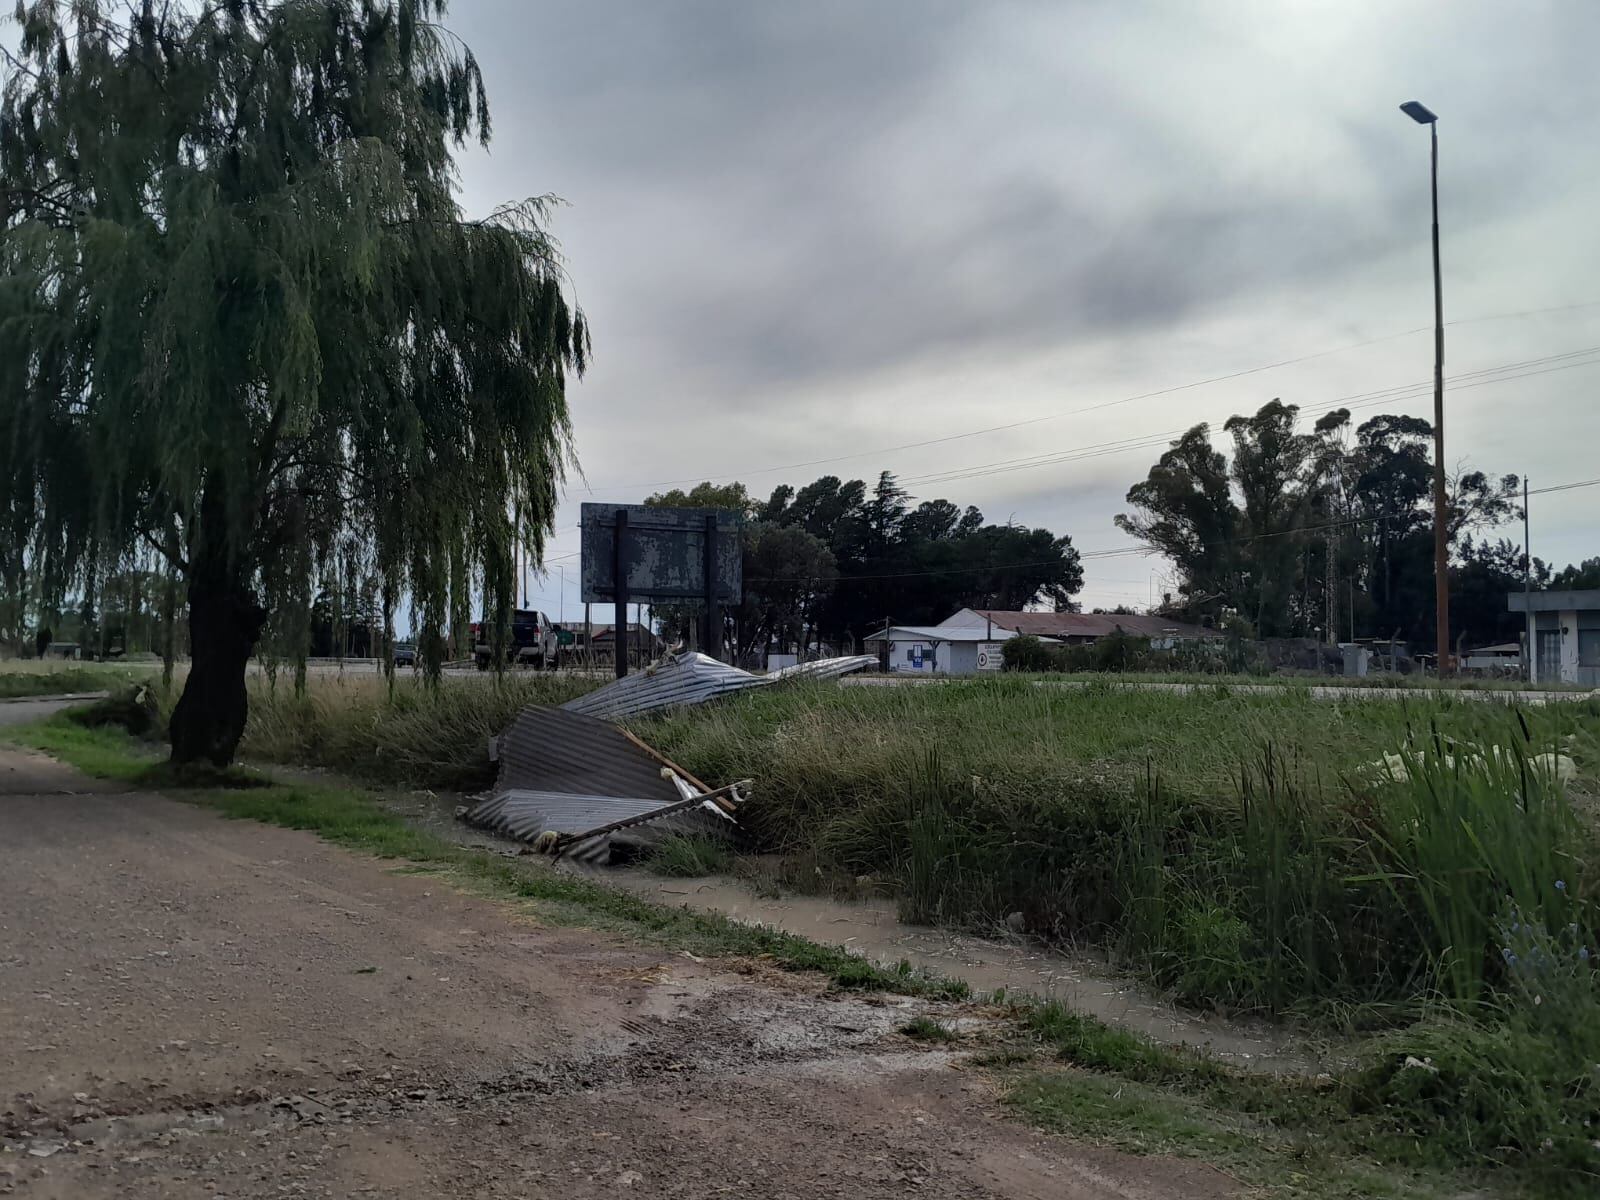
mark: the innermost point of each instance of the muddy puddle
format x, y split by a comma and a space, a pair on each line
872, 928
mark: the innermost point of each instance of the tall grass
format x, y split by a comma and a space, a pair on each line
413, 735
1231, 846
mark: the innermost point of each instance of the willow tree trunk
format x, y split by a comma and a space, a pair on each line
225, 622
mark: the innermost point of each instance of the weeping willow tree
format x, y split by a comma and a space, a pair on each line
244, 321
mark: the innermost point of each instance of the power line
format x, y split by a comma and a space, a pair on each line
1359, 400
1166, 391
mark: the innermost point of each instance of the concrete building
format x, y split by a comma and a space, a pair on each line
1503, 658
935, 650
1081, 629
1564, 631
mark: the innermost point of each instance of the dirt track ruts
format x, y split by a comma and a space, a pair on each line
199, 1007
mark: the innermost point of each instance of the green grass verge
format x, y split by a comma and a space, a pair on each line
1262, 1156
104, 752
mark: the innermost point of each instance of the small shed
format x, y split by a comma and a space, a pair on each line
934, 650
1564, 631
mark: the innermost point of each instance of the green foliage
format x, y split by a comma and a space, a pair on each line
1296, 527
1469, 831
690, 856
1578, 577
243, 318
919, 564
1027, 653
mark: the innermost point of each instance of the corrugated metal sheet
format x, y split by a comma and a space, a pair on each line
567, 773
525, 814
694, 679
824, 668
684, 679
554, 750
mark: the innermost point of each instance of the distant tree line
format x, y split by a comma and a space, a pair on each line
832, 561
1302, 532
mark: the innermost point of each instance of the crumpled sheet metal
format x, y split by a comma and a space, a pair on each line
694, 678
824, 668
554, 750
568, 774
523, 814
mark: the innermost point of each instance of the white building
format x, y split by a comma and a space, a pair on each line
1564, 631
934, 650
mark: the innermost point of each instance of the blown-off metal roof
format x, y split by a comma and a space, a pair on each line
554, 750
693, 679
524, 814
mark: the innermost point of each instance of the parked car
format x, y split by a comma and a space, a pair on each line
533, 641
405, 654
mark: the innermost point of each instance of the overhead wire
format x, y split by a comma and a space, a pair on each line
1028, 421
1359, 400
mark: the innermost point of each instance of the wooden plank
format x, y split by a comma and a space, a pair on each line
654, 815
667, 762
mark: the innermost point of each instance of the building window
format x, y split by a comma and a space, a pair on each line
1589, 647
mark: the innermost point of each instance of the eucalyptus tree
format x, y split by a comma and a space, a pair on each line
243, 319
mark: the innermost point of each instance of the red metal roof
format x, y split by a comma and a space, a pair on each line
1093, 625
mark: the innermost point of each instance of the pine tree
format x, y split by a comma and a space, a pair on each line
243, 320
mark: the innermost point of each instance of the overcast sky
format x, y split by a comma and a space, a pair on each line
822, 230
810, 231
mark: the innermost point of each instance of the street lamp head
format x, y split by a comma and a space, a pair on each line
1418, 112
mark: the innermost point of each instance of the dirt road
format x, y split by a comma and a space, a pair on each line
194, 1007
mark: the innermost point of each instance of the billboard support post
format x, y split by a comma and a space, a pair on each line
713, 637
619, 594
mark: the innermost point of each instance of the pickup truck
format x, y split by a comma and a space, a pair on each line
532, 642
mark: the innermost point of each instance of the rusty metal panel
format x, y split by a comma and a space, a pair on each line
666, 554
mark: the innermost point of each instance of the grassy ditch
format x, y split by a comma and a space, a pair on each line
1235, 848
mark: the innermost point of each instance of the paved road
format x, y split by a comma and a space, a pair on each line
25, 712
1320, 691
195, 1007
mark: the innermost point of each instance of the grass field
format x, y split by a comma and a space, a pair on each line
20, 678
1233, 846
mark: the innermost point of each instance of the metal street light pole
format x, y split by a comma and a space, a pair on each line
1441, 536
